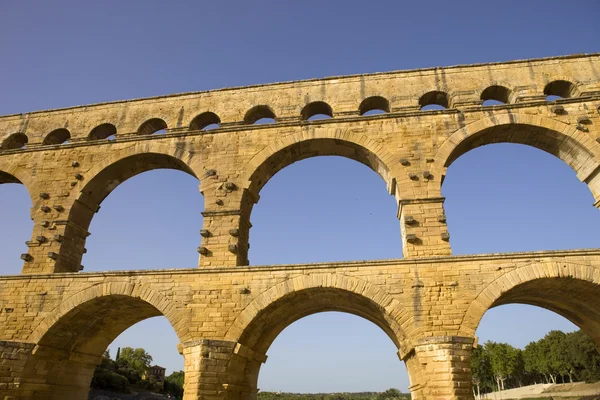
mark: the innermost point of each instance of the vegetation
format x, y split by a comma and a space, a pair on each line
390, 394
128, 373
556, 358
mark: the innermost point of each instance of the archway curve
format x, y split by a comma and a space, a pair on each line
14, 141
12, 173
152, 126
496, 92
257, 172
272, 311
278, 307
562, 86
570, 290
202, 120
316, 108
258, 112
57, 136
580, 152
374, 103
154, 155
71, 339
103, 178
102, 131
435, 97
162, 304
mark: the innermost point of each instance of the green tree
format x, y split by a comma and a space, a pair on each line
481, 369
504, 361
390, 394
137, 360
532, 361
585, 356
174, 384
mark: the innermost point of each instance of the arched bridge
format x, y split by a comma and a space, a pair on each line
55, 321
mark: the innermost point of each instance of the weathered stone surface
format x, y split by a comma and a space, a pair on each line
55, 322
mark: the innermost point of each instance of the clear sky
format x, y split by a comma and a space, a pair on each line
499, 198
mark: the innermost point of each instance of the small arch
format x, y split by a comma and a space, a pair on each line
316, 109
258, 113
57, 136
205, 121
374, 103
560, 89
15, 141
434, 100
154, 125
103, 131
494, 95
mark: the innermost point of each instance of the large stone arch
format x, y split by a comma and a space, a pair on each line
70, 340
571, 290
574, 147
311, 142
281, 295
272, 311
314, 142
103, 177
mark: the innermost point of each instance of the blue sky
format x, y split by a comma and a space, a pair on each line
499, 198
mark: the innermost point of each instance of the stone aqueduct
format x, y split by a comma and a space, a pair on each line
55, 322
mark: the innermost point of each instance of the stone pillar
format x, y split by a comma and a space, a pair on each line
424, 229
54, 373
224, 240
439, 368
13, 357
226, 222
58, 238
220, 369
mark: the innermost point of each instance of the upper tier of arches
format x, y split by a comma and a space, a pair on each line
438, 95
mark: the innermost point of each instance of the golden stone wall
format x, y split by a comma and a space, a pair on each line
56, 322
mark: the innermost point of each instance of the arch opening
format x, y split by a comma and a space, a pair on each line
67, 352
374, 105
328, 338
313, 148
495, 95
434, 100
265, 323
260, 114
136, 361
57, 136
16, 224
103, 131
145, 197
560, 145
14, 141
545, 313
502, 198
205, 121
316, 110
322, 187
152, 126
268, 323
331, 221
560, 89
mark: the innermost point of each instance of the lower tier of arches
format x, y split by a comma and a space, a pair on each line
54, 328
